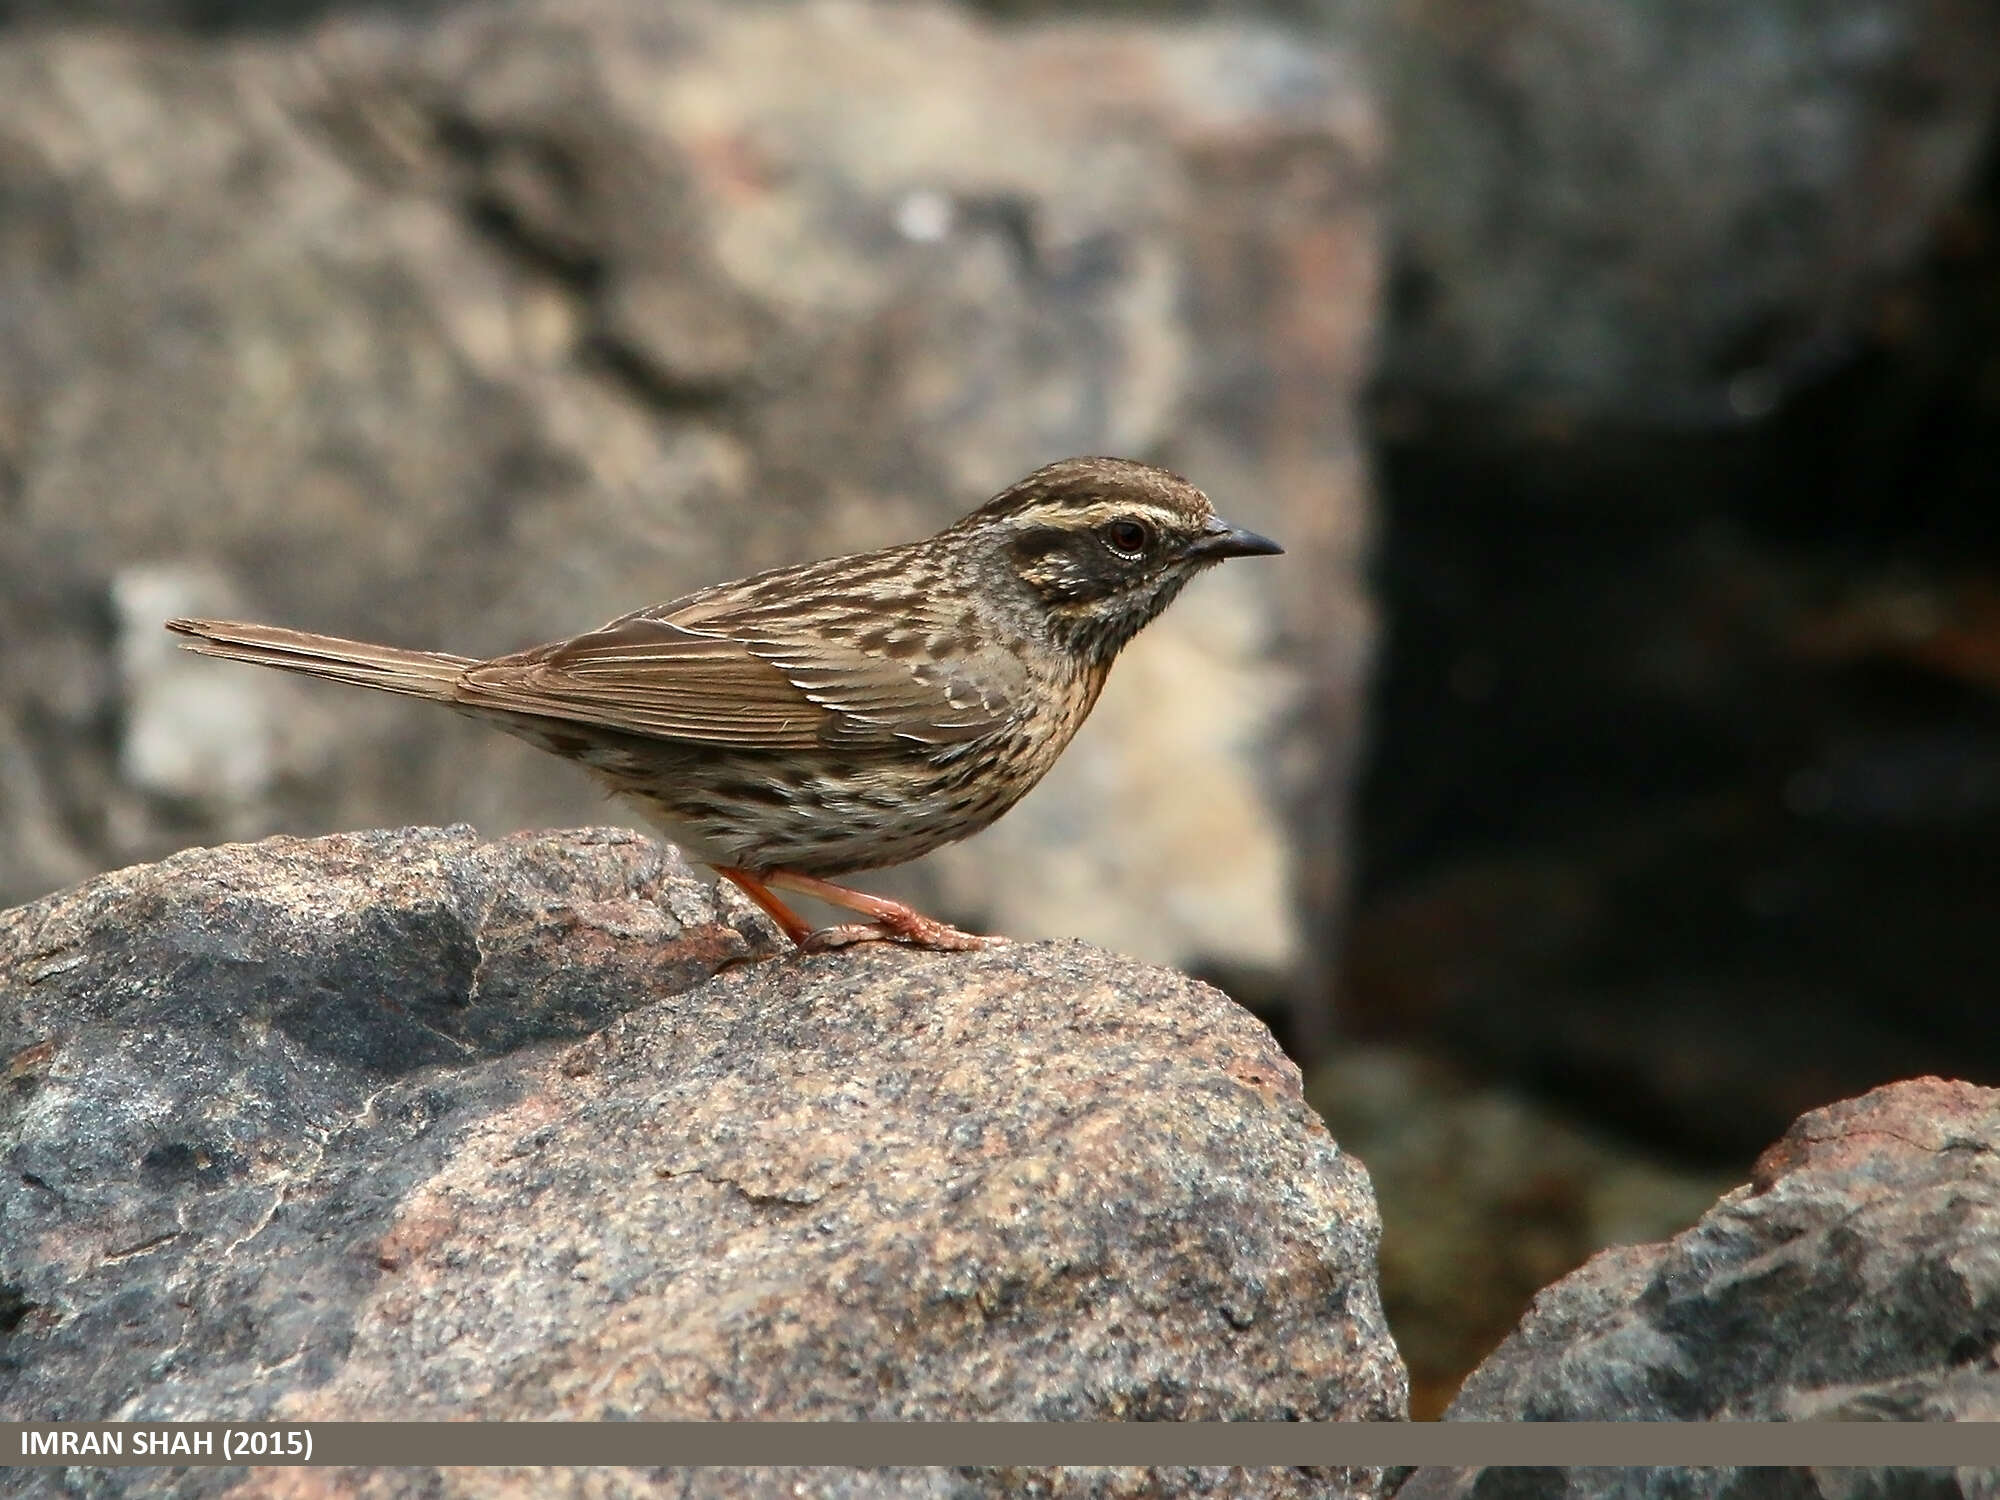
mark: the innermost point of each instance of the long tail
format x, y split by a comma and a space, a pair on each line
420, 674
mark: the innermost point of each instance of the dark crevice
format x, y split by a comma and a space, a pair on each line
200, 17
614, 360
571, 266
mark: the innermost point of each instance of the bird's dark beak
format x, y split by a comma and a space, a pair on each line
1221, 540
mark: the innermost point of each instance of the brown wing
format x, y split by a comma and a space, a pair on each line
873, 698
728, 666
650, 677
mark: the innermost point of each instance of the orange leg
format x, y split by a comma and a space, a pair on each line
891, 920
789, 921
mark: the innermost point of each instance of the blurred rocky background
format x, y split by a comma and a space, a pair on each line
1665, 806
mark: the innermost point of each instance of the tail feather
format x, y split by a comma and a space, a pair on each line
420, 674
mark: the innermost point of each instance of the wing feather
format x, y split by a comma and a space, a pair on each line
650, 677
726, 667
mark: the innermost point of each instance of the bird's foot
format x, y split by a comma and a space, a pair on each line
893, 922
910, 928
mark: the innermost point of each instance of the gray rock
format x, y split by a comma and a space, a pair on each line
473, 329
1662, 214
1855, 1277
1669, 213
197, 15
792, 1483
408, 1125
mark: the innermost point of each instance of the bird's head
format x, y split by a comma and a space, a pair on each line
1104, 544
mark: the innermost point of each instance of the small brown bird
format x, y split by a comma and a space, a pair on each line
844, 715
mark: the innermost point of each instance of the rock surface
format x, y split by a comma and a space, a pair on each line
1856, 1277
410, 1125
794, 1482
472, 329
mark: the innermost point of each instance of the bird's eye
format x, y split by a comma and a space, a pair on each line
1127, 537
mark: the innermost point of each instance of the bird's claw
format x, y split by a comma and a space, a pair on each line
913, 931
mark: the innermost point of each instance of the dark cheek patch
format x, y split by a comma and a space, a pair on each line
1037, 545
1066, 568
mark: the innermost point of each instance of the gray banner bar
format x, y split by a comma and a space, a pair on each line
985, 1444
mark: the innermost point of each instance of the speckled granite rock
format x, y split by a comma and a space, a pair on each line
1856, 1277
408, 1125
802, 1483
